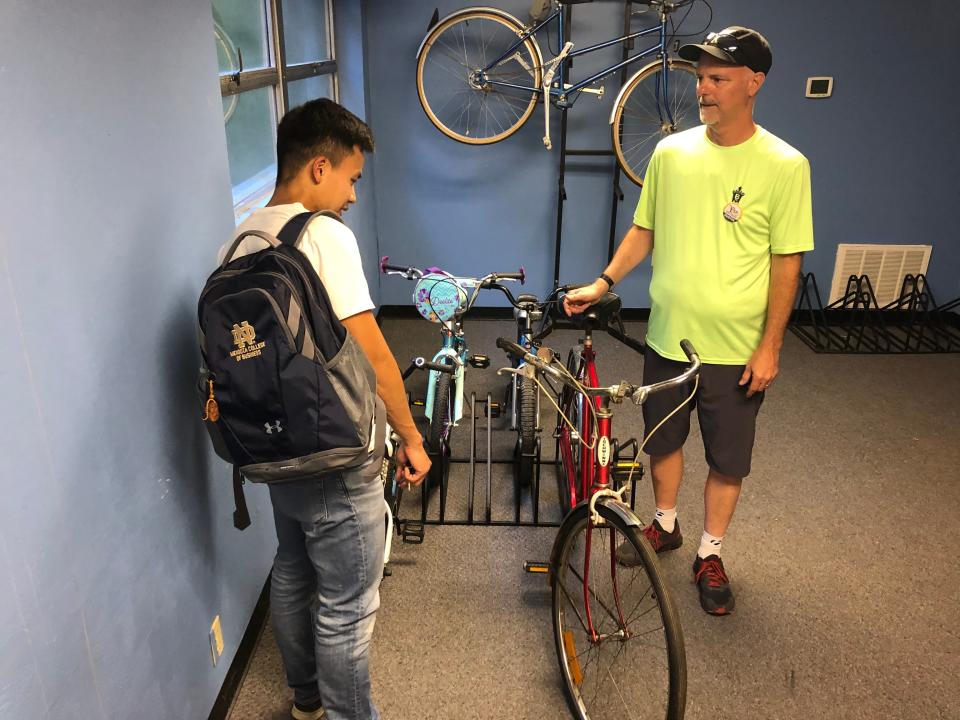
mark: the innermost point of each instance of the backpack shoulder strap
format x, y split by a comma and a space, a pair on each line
241, 517
297, 226
271, 241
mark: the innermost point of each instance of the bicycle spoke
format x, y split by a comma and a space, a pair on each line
626, 672
457, 58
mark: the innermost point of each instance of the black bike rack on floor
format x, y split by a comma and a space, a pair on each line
856, 323
481, 460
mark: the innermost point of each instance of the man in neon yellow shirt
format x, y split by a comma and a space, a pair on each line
729, 206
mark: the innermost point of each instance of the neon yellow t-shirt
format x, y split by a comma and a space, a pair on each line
711, 275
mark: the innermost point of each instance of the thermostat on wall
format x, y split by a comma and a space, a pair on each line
819, 87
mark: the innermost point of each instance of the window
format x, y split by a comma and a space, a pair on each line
272, 55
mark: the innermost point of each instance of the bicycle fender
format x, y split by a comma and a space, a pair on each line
580, 512
623, 89
621, 510
496, 11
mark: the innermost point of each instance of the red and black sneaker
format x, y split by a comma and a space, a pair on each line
716, 597
660, 540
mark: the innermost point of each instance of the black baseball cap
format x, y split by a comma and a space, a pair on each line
735, 44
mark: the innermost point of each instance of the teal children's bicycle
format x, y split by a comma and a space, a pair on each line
444, 299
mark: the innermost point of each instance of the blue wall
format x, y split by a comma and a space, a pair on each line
882, 148
116, 541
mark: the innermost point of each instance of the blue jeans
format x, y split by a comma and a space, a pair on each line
326, 586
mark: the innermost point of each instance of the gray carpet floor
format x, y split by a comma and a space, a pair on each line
842, 554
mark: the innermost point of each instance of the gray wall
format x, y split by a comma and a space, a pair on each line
116, 540
881, 149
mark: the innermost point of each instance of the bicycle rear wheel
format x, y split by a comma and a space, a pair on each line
527, 429
634, 666
640, 120
466, 101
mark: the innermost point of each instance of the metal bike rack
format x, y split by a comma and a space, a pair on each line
856, 323
479, 511
480, 459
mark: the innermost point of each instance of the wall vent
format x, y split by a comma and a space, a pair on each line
885, 265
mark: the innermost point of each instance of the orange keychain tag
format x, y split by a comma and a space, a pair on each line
211, 411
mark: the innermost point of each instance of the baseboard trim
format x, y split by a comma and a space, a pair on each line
241, 661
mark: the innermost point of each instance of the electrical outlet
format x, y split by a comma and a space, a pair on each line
216, 640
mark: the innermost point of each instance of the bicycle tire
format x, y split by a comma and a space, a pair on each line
481, 36
637, 668
392, 492
441, 417
526, 428
639, 122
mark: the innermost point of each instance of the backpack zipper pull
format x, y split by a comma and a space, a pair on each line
212, 410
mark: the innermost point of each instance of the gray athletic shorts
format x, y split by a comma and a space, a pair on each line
727, 416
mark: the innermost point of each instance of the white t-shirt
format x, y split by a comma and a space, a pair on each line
331, 247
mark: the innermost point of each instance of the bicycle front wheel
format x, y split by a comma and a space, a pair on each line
527, 428
441, 417
617, 634
469, 87
646, 114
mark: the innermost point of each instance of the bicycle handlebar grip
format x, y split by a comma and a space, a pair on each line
688, 349
384, 267
512, 348
521, 276
440, 367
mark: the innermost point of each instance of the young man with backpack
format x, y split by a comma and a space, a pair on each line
330, 528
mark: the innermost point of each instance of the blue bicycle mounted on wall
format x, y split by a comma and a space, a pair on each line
444, 299
481, 73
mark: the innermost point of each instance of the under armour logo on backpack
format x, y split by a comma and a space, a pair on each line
272, 428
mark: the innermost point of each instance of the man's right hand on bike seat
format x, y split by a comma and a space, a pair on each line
412, 463
576, 301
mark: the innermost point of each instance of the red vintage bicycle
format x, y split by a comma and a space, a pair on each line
617, 635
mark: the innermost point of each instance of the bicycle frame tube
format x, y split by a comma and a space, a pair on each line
522, 39
588, 457
660, 47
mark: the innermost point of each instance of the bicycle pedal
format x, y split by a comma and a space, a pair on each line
412, 533
387, 572
536, 568
481, 362
418, 402
495, 408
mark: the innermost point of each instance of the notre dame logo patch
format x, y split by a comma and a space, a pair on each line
245, 338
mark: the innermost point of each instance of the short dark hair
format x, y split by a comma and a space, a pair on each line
319, 127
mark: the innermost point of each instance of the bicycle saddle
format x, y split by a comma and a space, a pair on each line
599, 314
527, 298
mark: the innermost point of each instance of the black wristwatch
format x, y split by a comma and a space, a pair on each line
607, 279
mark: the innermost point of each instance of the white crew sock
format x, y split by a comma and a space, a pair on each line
666, 518
709, 545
